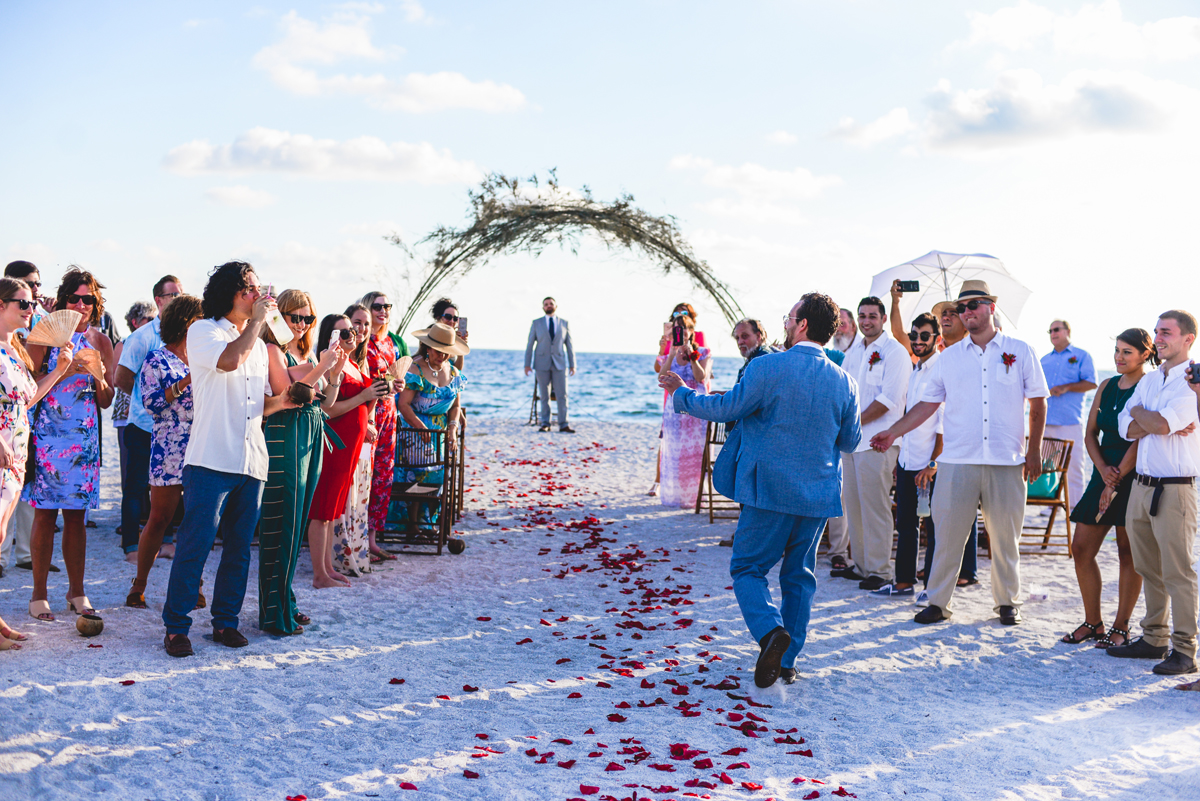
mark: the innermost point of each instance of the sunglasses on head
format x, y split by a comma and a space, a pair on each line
381, 306
923, 336
301, 318
344, 333
86, 300
971, 304
679, 313
451, 317
26, 305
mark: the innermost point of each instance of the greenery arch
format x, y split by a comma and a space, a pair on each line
508, 215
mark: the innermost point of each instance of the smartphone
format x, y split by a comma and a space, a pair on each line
462, 326
1195, 379
910, 286
667, 329
677, 335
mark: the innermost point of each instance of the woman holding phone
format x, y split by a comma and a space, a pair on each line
381, 354
356, 395
353, 539
445, 311
665, 343
683, 435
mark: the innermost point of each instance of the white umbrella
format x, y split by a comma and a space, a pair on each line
942, 274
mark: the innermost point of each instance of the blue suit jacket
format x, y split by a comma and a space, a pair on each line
796, 410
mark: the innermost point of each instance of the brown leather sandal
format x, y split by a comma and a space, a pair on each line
136, 599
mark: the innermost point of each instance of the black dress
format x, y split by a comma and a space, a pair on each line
1112, 448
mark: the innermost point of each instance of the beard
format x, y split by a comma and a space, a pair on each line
842, 341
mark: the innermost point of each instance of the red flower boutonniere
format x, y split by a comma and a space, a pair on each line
1073, 360
1009, 360
874, 360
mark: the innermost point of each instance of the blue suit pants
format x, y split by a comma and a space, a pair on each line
763, 538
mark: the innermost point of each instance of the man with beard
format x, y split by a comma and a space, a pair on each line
796, 411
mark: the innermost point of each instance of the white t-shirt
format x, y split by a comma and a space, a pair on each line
916, 450
1165, 455
882, 370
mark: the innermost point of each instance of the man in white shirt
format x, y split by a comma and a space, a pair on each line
984, 382
1160, 517
881, 366
225, 465
835, 527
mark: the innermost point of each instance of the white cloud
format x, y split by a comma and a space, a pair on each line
240, 196
756, 181
1093, 30
1020, 107
781, 138
414, 11
346, 37
362, 158
895, 123
34, 252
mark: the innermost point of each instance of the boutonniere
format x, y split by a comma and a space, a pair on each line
1073, 360
874, 360
1009, 360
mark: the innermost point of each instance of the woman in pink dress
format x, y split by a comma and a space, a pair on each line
683, 435
660, 363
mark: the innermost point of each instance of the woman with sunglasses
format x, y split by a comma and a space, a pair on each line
66, 442
165, 391
18, 391
445, 311
660, 362
354, 545
381, 353
294, 438
356, 395
683, 435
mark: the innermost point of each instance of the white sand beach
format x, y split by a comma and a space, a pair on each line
585, 645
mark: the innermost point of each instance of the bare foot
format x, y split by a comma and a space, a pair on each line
325, 582
167, 551
131, 557
341, 578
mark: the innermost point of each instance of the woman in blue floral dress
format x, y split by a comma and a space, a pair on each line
166, 390
430, 399
66, 443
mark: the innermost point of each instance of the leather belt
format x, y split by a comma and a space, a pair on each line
1158, 484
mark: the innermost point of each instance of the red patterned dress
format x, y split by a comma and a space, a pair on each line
380, 355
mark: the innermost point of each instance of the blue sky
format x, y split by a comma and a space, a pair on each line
801, 146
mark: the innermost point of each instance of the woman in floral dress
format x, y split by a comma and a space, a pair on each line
381, 352
18, 391
66, 443
166, 392
683, 435
353, 536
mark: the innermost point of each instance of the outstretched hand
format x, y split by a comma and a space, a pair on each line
883, 440
670, 381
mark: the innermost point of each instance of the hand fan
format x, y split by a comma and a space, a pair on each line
398, 368
55, 329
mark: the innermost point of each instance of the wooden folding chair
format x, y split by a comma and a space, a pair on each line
719, 507
431, 511
1050, 490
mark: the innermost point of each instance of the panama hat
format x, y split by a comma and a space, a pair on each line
442, 337
971, 290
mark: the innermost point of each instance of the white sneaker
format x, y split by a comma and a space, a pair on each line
922, 599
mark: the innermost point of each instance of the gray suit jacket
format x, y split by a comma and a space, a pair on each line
556, 355
797, 410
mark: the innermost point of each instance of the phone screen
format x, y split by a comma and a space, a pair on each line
667, 329
462, 325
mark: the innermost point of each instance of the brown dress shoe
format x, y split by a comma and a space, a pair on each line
179, 645
230, 637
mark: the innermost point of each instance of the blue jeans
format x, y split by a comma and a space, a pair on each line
230, 502
135, 481
970, 555
762, 539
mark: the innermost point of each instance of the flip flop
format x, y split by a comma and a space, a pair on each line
40, 610
80, 605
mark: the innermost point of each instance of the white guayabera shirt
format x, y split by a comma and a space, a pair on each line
882, 371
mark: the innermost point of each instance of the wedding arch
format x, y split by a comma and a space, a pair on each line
508, 215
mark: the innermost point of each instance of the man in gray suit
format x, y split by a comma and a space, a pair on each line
798, 412
554, 354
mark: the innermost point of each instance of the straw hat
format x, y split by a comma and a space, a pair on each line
442, 337
971, 290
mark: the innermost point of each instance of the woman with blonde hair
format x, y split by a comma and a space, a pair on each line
18, 391
166, 392
294, 442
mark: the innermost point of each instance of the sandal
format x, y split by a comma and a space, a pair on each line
384, 556
201, 601
965, 582
40, 610
1107, 642
11, 634
1072, 639
80, 605
837, 562
8, 645
653, 490
136, 599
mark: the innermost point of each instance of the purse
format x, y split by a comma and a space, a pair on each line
724, 474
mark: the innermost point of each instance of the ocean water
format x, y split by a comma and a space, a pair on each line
610, 387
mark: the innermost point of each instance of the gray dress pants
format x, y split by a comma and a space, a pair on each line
558, 380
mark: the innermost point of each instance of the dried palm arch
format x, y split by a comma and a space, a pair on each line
511, 216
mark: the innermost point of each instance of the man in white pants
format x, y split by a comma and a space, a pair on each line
1070, 374
984, 382
882, 367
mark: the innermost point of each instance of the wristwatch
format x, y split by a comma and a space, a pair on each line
932, 464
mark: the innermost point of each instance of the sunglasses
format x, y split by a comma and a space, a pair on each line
300, 318
344, 333
678, 314
381, 306
971, 304
1055, 330
86, 300
451, 317
923, 336
26, 305
171, 295
34, 285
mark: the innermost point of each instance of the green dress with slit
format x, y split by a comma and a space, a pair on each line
1112, 448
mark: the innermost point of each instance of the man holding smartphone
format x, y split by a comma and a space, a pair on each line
553, 357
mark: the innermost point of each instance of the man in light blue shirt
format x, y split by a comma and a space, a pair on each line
1070, 375
140, 344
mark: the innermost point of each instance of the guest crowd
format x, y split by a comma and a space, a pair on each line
239, 416
957, 417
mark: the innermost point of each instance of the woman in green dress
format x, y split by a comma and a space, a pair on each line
294, 442
1103, 503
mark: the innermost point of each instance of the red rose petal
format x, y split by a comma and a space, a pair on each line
483, 619
407, 786
95, 645
812, 795
589, 731
562, 661
467, 688
724, 777
798, 780
481, 736
737, 765
806, 753
702, 764
622, 705
297, 798
470, 774
127, 682
522, 642
735, 751
751, 786
604, 684
575, 695
396, 681
614, 766
443, 697
844, 793
588, 789
568, 764
647, 684
615, 718
545, 622
667, 768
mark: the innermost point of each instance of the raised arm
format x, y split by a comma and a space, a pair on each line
897, 321
238, 351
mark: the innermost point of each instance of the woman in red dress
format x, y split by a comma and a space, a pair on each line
349, 415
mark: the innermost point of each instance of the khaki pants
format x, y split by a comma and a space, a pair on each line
1075, 476
1162, 556
961, 488
839, 537
866, 482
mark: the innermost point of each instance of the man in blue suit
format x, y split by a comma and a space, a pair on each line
798, 412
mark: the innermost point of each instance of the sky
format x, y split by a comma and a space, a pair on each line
800, 146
